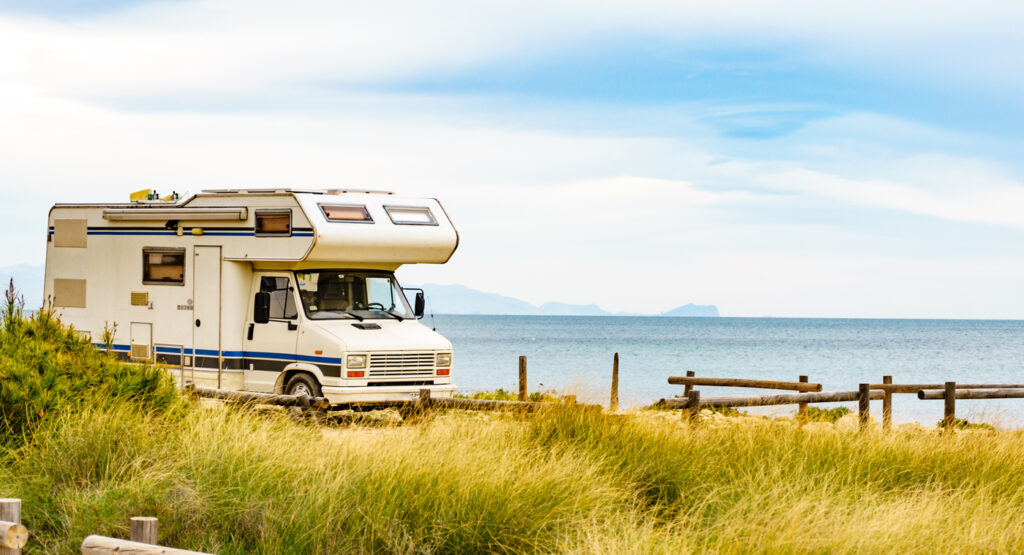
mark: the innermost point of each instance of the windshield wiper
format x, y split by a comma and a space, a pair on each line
393, 315
354, 315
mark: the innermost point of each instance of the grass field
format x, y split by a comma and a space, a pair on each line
230, 480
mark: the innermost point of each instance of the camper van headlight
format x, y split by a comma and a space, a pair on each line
355, 361
444, 360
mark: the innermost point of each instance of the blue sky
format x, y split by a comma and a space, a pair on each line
806, 159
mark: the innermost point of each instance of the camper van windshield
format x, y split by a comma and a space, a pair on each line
358, 294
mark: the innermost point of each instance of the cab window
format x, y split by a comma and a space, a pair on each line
282, 301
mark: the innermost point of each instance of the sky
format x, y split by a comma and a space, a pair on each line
805, 159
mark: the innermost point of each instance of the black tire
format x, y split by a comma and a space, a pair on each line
303, 383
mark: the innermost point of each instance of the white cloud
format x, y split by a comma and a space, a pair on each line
636, 223
212, 46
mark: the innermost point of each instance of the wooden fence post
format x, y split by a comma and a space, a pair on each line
423, 403
614, 403
949, 415
10, 511
688, 388
143, 529
864, 405
887, 405
801, 411
692, 412
522, 377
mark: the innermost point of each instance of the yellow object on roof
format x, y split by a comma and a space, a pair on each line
144, 194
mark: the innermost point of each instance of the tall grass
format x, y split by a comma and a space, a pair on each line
237, 481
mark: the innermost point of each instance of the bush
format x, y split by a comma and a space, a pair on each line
816, 414
963, 424
44, 365
500, 394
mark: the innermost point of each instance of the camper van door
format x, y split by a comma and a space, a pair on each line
206, 290
270, 346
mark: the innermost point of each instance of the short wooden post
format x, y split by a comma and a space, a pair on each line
143, 529
688, 388
614, 403
864, 405
887, 405
801, 412
423, 403
522, 377
692, 412
949, 416
10, 511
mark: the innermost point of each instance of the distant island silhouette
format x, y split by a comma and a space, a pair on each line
459, 299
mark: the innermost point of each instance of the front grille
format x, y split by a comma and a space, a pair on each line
401, 364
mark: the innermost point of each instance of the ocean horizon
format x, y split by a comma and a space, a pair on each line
574, 354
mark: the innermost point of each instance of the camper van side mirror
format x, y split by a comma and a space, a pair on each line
420, 304
261, 308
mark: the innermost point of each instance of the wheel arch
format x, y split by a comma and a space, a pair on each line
298, 368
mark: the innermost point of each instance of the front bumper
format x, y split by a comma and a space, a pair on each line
378, 394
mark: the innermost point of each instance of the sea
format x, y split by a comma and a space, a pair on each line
573, 354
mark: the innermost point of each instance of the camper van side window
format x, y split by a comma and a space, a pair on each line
346, 213
163, 266
410, 215
282, 302
273, 223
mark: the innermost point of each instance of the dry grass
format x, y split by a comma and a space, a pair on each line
235, 481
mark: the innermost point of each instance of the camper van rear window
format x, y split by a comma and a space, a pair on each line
410, 215
273, 222
346, 213
163, 266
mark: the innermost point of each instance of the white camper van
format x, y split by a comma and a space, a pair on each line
262, 290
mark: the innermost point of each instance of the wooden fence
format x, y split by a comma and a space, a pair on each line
14, 536
143, 534
811, 393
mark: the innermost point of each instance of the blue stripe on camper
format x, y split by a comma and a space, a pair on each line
132, 232
114, 347
236, 354
189, 234
284, 356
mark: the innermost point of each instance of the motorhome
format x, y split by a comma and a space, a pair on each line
286, 291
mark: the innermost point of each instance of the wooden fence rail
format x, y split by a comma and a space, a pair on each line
738, 382
304, 401
973, 393
102, 545
915, 387
771, 400
143, 541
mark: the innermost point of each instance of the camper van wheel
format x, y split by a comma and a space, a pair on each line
301, 383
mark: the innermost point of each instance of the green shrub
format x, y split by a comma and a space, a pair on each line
500, 394
816, 414
44, 365
963, 424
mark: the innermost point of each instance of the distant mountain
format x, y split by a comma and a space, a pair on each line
459, 299
28, 280
694, 310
